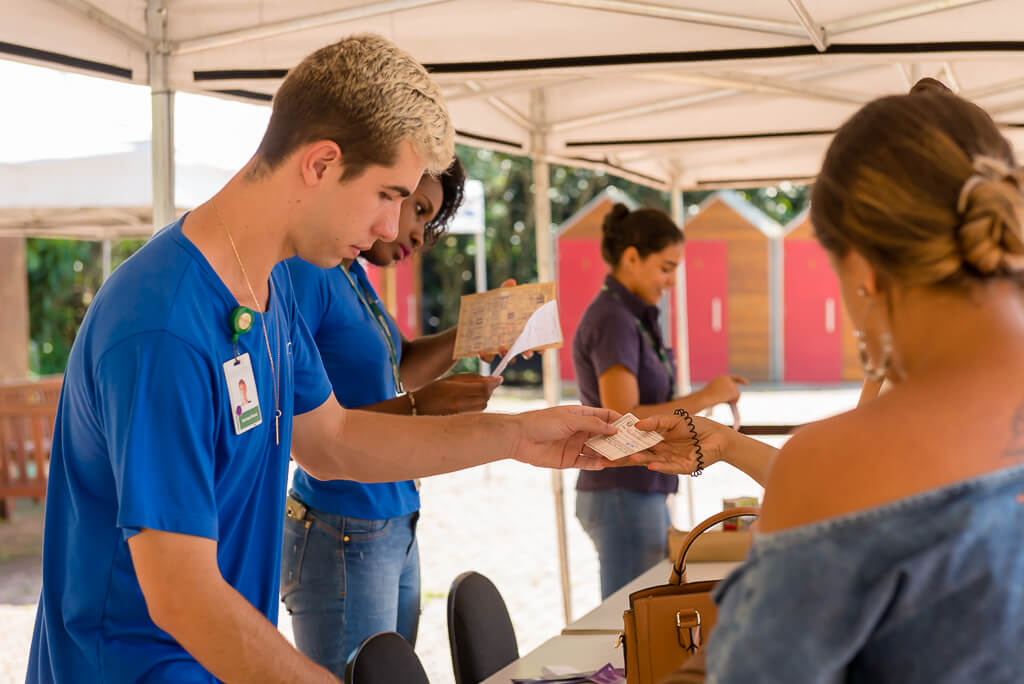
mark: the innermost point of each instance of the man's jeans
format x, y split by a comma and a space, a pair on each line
629, 529
344, 579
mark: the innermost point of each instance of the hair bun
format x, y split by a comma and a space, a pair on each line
991, 207
618, 212
930, 85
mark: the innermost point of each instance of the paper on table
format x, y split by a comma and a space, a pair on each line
542, 329
628, 440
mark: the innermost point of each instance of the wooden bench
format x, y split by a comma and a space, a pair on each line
27, 414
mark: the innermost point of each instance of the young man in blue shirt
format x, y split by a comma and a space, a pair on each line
166, 496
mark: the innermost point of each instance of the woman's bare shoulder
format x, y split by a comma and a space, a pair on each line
829, 468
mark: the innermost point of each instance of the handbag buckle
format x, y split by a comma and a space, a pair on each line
688, 632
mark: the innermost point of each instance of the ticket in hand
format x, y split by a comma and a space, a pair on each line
628, 440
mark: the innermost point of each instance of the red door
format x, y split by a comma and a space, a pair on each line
581, 273
407, 307
707, 290
813, 346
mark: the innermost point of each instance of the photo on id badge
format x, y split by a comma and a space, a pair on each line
244, 400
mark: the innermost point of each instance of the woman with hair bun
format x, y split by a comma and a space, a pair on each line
622, 363
888, 545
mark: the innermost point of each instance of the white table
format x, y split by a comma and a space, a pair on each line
590, 642
607, 617
584, 651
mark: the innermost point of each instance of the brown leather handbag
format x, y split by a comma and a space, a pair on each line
667, 624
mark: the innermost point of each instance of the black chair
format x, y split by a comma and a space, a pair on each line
479, 629
385, 658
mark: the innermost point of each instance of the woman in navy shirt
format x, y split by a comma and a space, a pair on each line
622, 363
350, 563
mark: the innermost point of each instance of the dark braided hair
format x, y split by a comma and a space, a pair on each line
453, 186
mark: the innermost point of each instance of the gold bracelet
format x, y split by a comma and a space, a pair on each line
412, 401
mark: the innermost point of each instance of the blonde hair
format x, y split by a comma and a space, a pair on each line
367, 95
926, 189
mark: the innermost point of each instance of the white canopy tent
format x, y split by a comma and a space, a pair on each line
677, 94
101, 197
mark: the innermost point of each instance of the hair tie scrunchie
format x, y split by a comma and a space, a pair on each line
990, 235
986, 169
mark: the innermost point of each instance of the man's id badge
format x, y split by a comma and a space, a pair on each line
245, 402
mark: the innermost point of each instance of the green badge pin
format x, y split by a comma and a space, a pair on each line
241, 322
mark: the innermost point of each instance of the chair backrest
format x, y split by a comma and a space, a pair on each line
385, 658
479, 629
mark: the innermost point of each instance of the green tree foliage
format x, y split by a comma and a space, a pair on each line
63, 278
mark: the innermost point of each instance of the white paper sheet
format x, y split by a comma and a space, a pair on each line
628, 440
542, 329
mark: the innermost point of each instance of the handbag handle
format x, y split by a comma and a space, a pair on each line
679, 569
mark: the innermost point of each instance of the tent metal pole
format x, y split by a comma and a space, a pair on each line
163, 116
682, 324
480, 259
776, 274
682, 328
546, 273
107, 249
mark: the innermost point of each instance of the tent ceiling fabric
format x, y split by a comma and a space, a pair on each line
708, 93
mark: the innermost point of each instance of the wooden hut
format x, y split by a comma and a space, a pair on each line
819, 342
729, 292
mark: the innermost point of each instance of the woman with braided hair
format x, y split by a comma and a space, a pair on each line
888, 548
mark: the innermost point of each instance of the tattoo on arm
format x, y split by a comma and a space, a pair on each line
1015, 447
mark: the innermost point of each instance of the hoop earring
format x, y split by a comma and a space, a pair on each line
871, 371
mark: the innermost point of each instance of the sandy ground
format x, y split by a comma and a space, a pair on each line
498, 519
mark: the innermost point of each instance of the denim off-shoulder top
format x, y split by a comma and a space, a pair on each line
925, 589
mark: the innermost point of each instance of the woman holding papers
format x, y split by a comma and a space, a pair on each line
888, 533
350, 563
622, 363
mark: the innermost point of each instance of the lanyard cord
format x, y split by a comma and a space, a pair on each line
378, 317
274, 368
658, 348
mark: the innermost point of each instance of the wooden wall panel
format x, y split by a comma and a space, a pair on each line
14, 332
589, 227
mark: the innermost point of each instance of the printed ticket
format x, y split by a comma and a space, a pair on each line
628, 440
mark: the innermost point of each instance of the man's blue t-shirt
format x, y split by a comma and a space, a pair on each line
144, 438
358, 364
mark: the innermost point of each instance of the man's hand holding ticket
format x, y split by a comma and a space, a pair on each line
628, 440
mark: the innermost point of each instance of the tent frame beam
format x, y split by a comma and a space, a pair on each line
757, 84
691, 16
688, 100
814, 31
108, 22
507, 89
504, 108
244, 35
995, 89
892, 15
